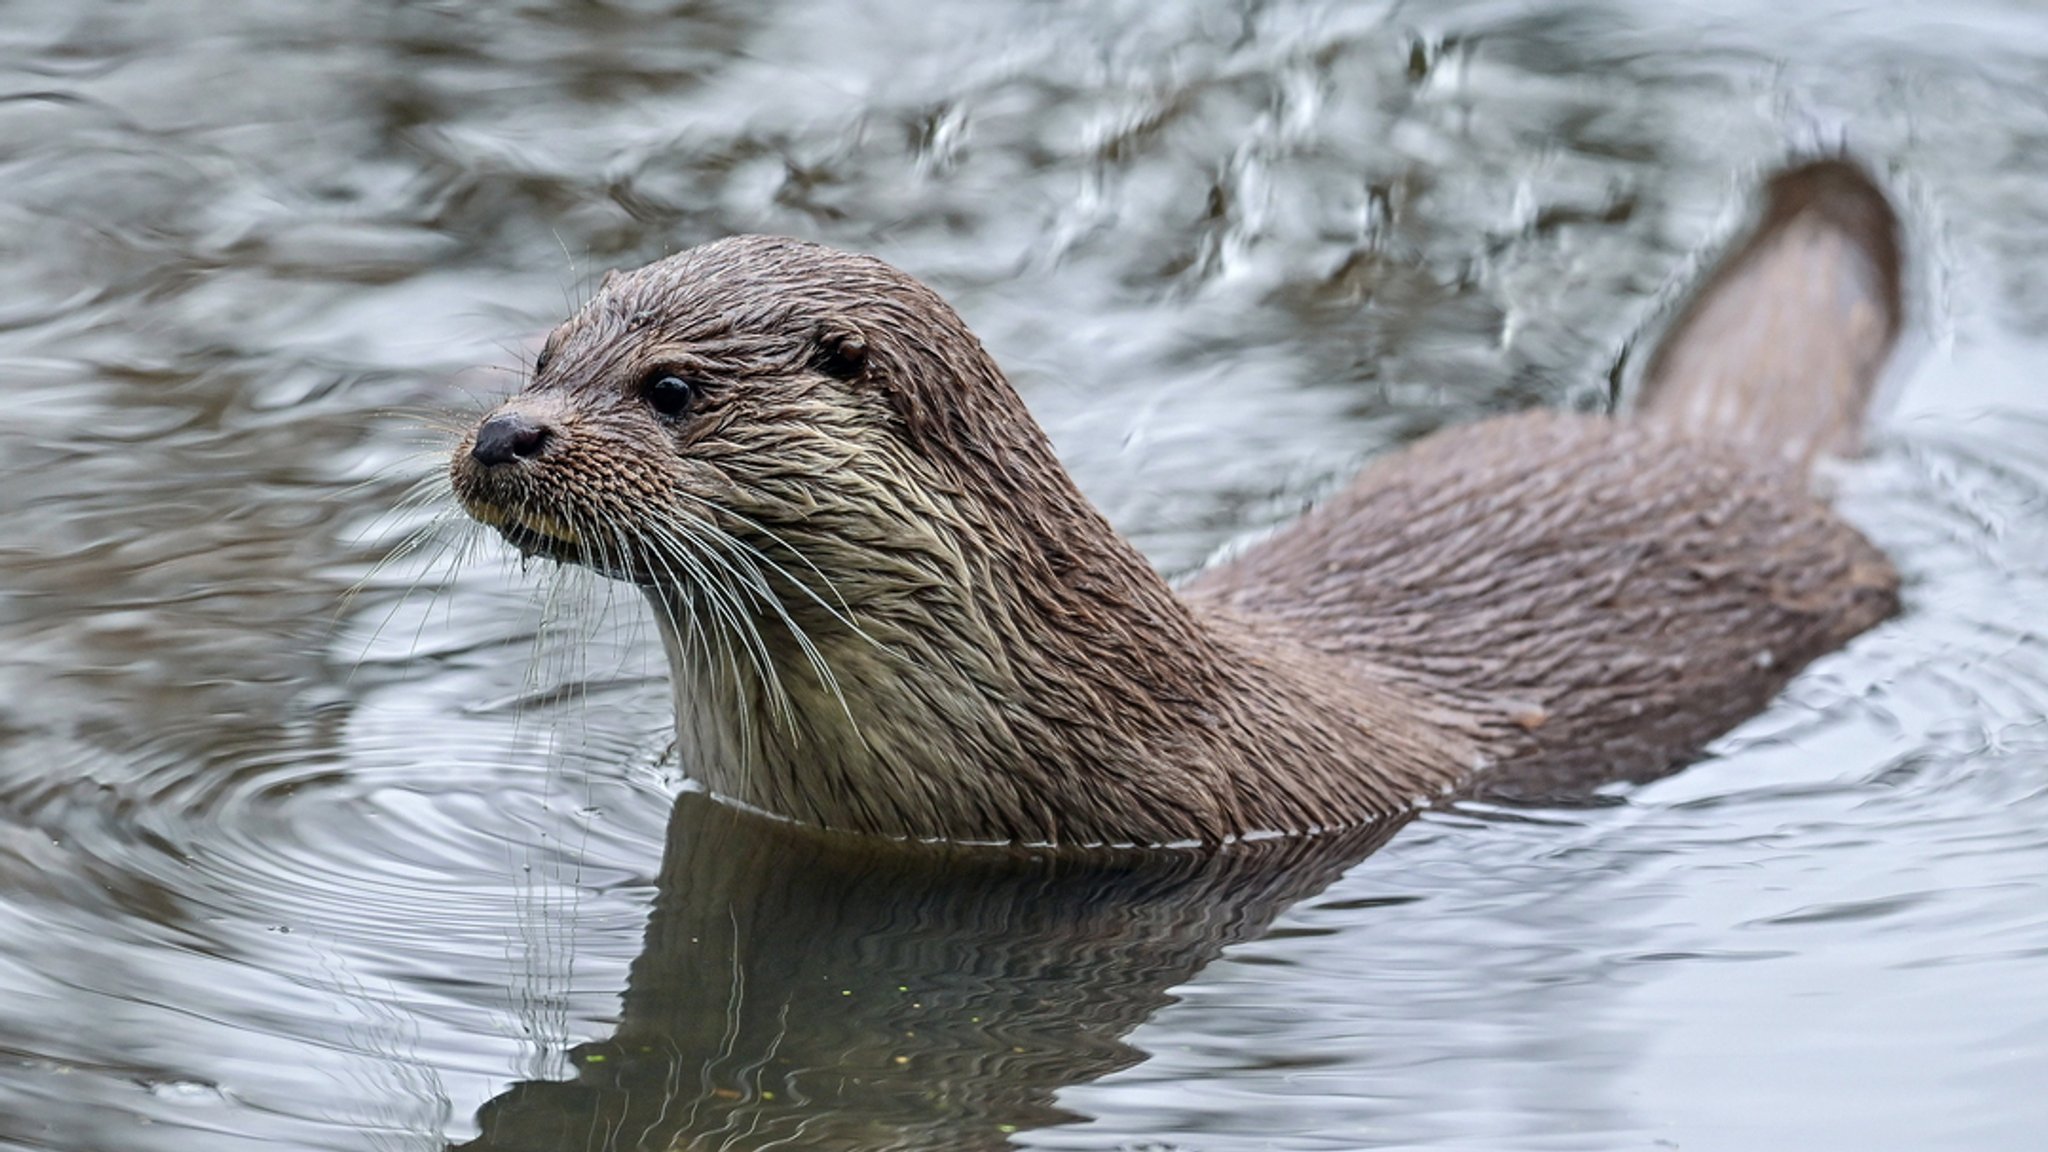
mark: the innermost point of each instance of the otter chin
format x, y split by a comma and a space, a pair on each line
887, 608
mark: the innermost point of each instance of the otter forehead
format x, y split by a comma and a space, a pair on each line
746, 284
757, 307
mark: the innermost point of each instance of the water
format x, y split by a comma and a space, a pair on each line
301, 851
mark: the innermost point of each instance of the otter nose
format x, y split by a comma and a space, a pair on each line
507, 436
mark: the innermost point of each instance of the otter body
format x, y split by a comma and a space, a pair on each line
887, 608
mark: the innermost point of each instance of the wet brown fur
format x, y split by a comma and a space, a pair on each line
1532, 598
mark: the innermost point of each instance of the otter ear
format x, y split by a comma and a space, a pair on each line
842, 351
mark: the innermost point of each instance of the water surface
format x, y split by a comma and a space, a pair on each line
298, 849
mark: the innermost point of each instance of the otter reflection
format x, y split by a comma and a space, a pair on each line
804, 989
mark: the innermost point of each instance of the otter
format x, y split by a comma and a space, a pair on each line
887, 609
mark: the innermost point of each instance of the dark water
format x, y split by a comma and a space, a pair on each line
286, 867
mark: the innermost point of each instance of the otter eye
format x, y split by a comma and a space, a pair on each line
670, 395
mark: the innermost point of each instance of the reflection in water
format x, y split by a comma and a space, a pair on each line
821, 990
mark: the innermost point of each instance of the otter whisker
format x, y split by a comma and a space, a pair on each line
727, 594
698, 589
753, 557
769, 676
421, 492
753, 581
689, 630
697, 633
433, 531
740, 632
724, 601
547, 611
842, 613
426, 485
714, 537
446, 531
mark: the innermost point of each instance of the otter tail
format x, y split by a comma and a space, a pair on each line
1783, 343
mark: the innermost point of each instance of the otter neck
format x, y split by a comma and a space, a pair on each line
961, 685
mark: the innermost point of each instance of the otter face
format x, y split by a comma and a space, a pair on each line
715, 420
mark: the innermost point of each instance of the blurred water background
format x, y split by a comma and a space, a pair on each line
283, 866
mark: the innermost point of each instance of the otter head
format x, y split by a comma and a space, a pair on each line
885, 604
759, 417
